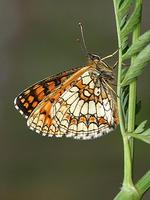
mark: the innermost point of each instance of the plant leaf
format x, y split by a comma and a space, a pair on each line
123, 21
123, 72
145, 136
124, 7
119, 3
125, 96
124, 45
124, 102
146, 133
141, 127
138, 66
132, 21
141, 42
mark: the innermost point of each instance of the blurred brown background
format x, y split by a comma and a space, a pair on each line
37, 39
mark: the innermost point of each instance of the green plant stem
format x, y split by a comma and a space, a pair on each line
127, 180
120, 113
133, 91
132, 105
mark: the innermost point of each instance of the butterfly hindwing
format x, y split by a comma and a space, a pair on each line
83, 107
28, 100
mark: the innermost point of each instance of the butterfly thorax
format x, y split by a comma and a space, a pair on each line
103, 69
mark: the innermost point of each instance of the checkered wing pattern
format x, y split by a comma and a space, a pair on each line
83, 107
29, 99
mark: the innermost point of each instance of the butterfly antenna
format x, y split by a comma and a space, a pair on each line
83, 44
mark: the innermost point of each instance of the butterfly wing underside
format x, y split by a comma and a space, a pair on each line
29, 99
83, 108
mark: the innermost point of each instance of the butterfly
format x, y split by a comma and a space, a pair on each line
78, 103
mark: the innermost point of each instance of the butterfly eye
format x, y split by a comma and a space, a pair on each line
93, 57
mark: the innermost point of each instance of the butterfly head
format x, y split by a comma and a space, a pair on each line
93, 58
101, 66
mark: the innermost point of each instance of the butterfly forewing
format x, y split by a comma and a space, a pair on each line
29, 99
82, 107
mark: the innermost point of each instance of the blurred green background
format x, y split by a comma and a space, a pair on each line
37, 39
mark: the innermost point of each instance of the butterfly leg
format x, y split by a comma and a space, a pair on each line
116, 63
114, 66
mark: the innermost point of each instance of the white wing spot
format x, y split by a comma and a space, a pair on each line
92, 85
86, 80
106, 104
82, 127
50, 135
64, 123
52, 128
86, 93
67, 95
74, 89
100, 110
92, 127
78, 108
57, 106
70, 135
84, 109
37, 131
40, 123
92, 108
31, 128
72, 98
15, 101
97, 91
73, 127
59, 135
72, 106
59, 115
45, 129
16, 107
21, 112
109, 116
